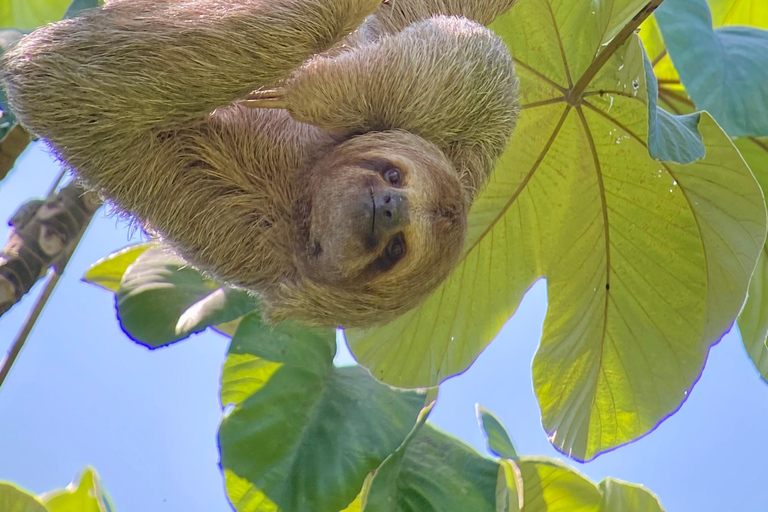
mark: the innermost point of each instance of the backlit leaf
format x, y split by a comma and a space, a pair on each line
84, 494
13, 499
108, 272
647, 262
624, 497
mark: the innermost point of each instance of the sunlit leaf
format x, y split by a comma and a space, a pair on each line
624, 497
647, 262
733, 86
108, 272
739, 12
551, 486
13, 499
303, 434
510, 488
84, 494
434, 472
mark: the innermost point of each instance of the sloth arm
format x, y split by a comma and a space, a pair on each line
124, 95
159, 63
446, 79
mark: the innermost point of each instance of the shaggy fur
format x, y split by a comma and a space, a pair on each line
138, 96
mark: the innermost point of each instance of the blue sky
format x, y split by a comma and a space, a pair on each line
82, 393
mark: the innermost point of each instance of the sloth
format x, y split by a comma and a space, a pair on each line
322, 154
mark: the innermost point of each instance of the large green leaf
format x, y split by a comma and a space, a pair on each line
84, 494
647, 262
433, 472
13, 499
733, 86
303, 434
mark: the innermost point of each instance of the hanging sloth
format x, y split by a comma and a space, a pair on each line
338, 191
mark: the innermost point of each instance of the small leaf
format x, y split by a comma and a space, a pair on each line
154, 293
733, 85
28, 14
670, 138
303, 434
84, 494
108, 272
620, 496
496, 435
13, 499
433, 472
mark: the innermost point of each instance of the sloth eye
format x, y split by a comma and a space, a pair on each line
394, 177
396, 247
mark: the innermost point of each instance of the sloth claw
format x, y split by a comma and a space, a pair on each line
267, 98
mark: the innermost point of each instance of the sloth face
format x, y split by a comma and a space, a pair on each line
387, 220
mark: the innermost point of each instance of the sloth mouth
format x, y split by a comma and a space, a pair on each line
373, 214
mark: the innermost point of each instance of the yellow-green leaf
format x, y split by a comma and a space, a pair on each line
551, 486
621, 496
647, 262
13, 499
108, 272
739, 12
84, 494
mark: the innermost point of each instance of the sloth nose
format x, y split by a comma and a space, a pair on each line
390, 211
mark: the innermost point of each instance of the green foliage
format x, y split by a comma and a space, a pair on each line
303, 434
637, 209
647, 262
84, 494
753, 320
433, 472
161, 299
733, 86
548, 485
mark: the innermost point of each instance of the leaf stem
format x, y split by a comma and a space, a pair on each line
574, 95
